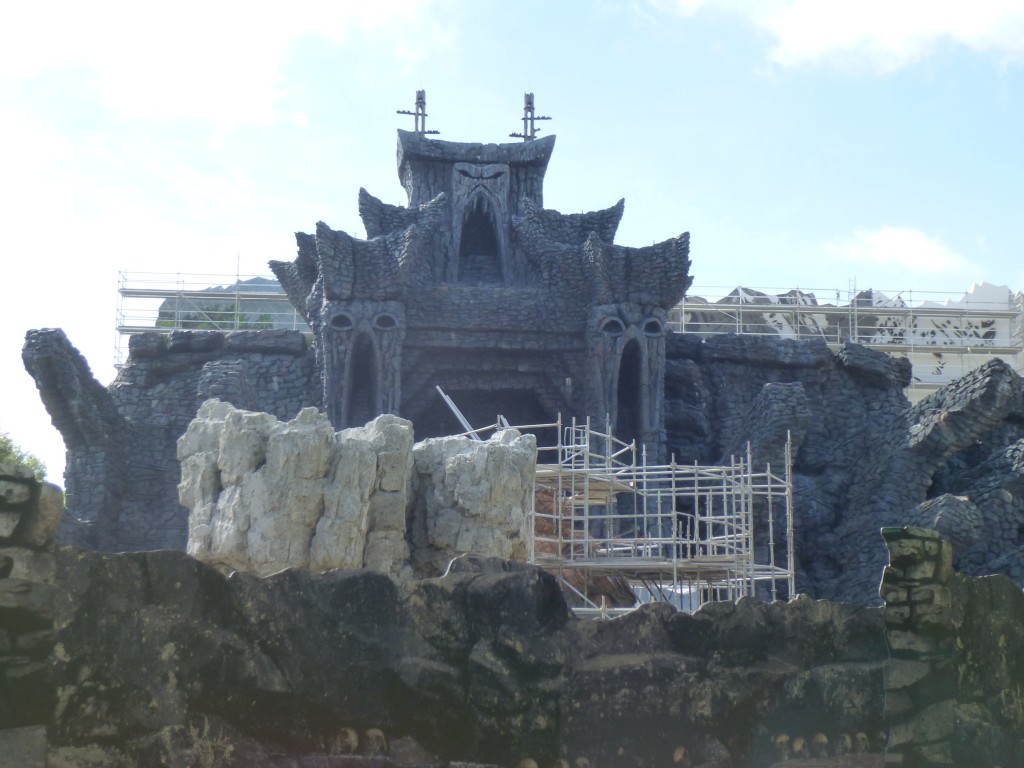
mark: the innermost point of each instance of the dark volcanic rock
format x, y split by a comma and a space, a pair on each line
159, 659
863, 457
157, 641
722, 681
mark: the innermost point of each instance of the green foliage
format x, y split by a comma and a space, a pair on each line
13, 453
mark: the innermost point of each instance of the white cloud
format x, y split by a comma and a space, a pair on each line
217, 61
908, 257
876, 35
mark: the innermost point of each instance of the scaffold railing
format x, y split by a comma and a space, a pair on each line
943, 335
987, 317
687, 534
166, 302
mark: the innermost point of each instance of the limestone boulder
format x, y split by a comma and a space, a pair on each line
391, 439
286, 495
472, 497
365, 499
339, 538
265, 495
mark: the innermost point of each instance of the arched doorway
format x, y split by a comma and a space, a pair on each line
363, 395
479, 251
628, 406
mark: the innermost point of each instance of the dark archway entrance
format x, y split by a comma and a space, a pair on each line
364, 383
628, 422
479, 251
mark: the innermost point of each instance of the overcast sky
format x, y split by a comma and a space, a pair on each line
803, 143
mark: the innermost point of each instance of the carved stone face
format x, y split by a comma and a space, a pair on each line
359, 349
626, 350
616, 324
480, 223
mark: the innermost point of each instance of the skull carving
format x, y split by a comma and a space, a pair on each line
374, 743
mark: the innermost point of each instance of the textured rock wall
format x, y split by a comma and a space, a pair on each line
266, 494
122, 473
472, 497
863, 457
161, 657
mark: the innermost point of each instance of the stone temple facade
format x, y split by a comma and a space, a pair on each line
475, 287
517, 310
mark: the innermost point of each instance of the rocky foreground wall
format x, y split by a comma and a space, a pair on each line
155, 658
159, 659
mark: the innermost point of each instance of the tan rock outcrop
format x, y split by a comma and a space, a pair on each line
266, 495
473, 496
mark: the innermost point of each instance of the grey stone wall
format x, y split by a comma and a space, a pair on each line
159, 658
143, 659
864, 458
30, 514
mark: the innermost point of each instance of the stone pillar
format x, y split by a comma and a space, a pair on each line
921, 673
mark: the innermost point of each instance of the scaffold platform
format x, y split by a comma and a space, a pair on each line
680, 533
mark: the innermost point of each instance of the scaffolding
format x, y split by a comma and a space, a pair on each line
944, 335
685, 534
166, 302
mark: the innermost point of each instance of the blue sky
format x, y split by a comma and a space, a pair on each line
803, 143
